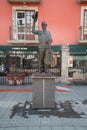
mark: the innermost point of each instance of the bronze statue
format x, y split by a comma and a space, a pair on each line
45, 40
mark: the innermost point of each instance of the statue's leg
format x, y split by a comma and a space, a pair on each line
41, 60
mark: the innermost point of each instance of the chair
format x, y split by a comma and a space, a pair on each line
19, 79
78, 77
11, 80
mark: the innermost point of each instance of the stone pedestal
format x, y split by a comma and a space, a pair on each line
43, 94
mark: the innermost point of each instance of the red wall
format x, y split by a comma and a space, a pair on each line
62, 16
5, 21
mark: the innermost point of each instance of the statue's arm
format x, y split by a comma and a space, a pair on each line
35, 16
33, 29
49, 40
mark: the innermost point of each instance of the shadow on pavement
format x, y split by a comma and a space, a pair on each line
64, 109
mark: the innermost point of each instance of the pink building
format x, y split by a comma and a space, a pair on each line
67, 22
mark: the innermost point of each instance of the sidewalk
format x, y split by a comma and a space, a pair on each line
70, 112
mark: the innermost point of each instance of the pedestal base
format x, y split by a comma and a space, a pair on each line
43, 92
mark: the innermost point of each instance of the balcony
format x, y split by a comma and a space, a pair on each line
24, 1
83, 35
21, 34
82, 1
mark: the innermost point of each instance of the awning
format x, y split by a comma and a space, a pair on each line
18, 48
78, 49
74, 49
55, 48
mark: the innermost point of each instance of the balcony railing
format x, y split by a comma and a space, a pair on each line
82, 1
21, 33
83, 34
25, 1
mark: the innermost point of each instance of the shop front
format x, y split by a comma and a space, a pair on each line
18, 59
79, 62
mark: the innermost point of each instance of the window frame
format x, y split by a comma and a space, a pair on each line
16, 9
82, 21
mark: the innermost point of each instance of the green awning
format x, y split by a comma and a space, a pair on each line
27, 48
78, 48
56, 48
18, 48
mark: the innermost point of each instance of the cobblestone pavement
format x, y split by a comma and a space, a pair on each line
70, 111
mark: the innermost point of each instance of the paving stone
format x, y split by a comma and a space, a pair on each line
46, 128
2, 129
80, 128
35, 121
66, 128
9, 128
22, 128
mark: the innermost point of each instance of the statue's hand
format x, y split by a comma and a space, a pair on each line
47, 42
35, 16
34, 20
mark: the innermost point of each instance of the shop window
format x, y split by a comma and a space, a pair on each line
79, 64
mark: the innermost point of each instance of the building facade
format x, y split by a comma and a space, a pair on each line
67, 22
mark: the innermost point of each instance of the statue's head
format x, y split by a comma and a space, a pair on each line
43, 23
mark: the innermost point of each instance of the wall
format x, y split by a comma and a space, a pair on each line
62, 16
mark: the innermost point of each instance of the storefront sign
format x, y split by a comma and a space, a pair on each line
19, 48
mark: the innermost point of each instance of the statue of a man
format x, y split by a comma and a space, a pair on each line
45, 41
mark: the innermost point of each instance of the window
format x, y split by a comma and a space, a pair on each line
84, 23
22, 24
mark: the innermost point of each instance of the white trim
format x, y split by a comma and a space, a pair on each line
25, 7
